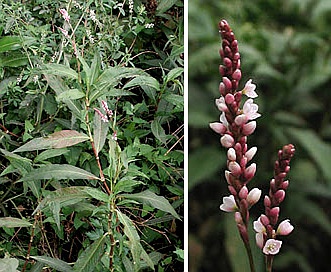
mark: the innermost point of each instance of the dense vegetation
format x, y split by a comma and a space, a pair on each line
285, 49
91, 138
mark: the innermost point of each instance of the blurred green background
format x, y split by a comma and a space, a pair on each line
285, 48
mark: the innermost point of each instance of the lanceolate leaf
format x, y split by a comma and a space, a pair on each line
57, 264
100, 130
151, 199
59, 139
158, 131
10, 43
12, 222
90, 257
58, 171
59, 70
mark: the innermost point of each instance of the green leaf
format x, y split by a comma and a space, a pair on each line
88, 260
164, 5
151, 199
51, 153
59, 87
100, 130
70, 94
58, 171
12, 222
317, 149
59, 139
176, 100
59, 70
137, 251
149, 84
24, 165
55, 208
57, 264
13, 60
158, 131
173, 74
8, 265
97, 194
9, 43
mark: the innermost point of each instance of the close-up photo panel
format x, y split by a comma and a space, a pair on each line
92, 135
259, 128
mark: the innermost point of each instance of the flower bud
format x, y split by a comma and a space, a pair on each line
236, 74
241, 119
227, 140
279, 196
218, 127
264, 220
227, 62
243, 192
222, 87
249, 128
250, 153
234, 167
231, 154
250, 171
229, 98
267, 201
238, 218
253, 196
285, 227
227, 83
229, 204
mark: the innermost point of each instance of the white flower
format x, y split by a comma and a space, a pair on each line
249, 89
272, 247
285, 227
260, 232
253, 196
229, 204
250, 109
220, 103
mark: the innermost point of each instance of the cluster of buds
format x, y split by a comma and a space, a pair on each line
265, 226
235, 125
109, 113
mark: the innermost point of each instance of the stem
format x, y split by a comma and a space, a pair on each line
269, 260
250, 255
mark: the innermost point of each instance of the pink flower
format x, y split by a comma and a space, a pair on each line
104, 118
231, 154
249, 128
272, 247
229, 204
250, 153
220, 103
285, 227
249, 89
250, 109
106, 109
65, 15
64, 32
218, 127
260, 232
114, 136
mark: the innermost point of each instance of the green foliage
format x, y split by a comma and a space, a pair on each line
284, 47
91, 129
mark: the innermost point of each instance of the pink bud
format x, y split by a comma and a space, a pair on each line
234, 167
236, 74
274, 212
227, 140
253, 196
264, 220
227, 83
285, 227
267, 201
285, 184
238, 218
231, 154
229, 98
218, 127
222, 69
250, 171
243, 192
232, 190
250, 153
241, 119
249, 128
279, 196
227, 176
222, 88
227, 62
259, 239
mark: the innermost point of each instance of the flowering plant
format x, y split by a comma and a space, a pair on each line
237, 122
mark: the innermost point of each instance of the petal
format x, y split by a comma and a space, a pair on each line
259, 239
258, 226
285, 227
229, 204
253, 196
272, 247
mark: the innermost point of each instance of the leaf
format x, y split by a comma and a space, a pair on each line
51, 153
149, 84
317, 149
151, 199
158, 131
71, 94
12, 222
100, 130
59, 87
176, 100
59, 70
24, 165
87, 261
59, 139
58, 171
57, 264
8, 264
9, 43
164, 5
97, 194
173, 74
13, 60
